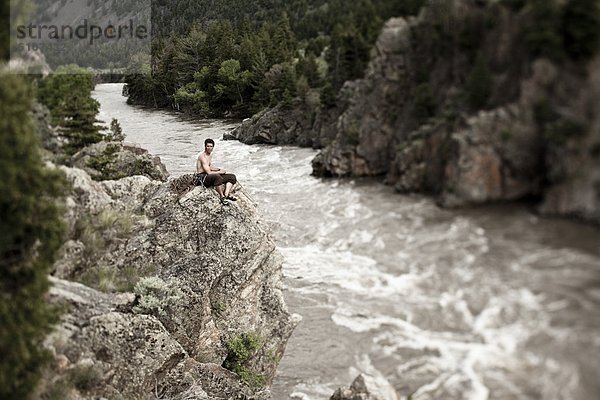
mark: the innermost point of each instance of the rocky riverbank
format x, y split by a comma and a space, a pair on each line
459, 104
164, 296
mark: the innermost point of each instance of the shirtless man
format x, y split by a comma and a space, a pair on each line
212, 176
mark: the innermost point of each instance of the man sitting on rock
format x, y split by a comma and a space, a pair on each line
214, 177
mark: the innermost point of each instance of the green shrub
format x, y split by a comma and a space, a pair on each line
595, 151
33, 231
240, 350
425, 103
155, 296
218, 308
85, 378
544, 113
556, 129
543, 34
515, 5
327, 96
563, 129
506, 135
116, 132
479, 83
581, 28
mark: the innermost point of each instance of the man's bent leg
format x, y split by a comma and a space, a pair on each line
228, 187
219, 190
230, 180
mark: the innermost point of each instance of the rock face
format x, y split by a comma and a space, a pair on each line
302, 123
537, 133
173, 283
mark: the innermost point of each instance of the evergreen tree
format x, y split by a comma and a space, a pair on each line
232, 84
479, 83
307, 67
32, 231
542, 34
67, 94
581, 26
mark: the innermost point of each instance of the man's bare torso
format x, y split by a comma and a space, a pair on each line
203, 157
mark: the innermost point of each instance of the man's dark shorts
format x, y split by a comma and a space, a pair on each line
210, 180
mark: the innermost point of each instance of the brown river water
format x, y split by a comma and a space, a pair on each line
491, 302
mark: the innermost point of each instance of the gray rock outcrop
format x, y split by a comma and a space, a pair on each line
115, 160
302, 123
366, 387
167, 287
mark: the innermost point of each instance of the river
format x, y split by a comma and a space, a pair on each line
485, 303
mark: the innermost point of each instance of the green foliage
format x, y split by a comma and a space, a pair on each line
308, 67
218, 308
479, 83
581, 28
276, 43
542, 34
98, 234
4, 30
595, 151
231, 85
273, 356
105, 163
240, 351
347, 55
156, 296
327, 96
544, 113
85, 378
116, 132
425, 104
506, 135
352, 135
67, 94
557, 129
33, 233
563, 129
515, 5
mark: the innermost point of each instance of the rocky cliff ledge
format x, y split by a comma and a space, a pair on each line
164, 296
471, 103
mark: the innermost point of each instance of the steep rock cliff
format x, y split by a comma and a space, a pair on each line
455, 103
171, 291
415, 118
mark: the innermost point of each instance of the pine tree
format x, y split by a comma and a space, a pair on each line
67, 94
32, 232
581, 27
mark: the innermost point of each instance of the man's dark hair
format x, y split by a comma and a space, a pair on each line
207, 141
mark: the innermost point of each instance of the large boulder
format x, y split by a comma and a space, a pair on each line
173, 284
282, 124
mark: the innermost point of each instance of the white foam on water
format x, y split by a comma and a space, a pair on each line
311, 391
357, 274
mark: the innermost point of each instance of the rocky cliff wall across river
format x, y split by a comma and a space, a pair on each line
456, 104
